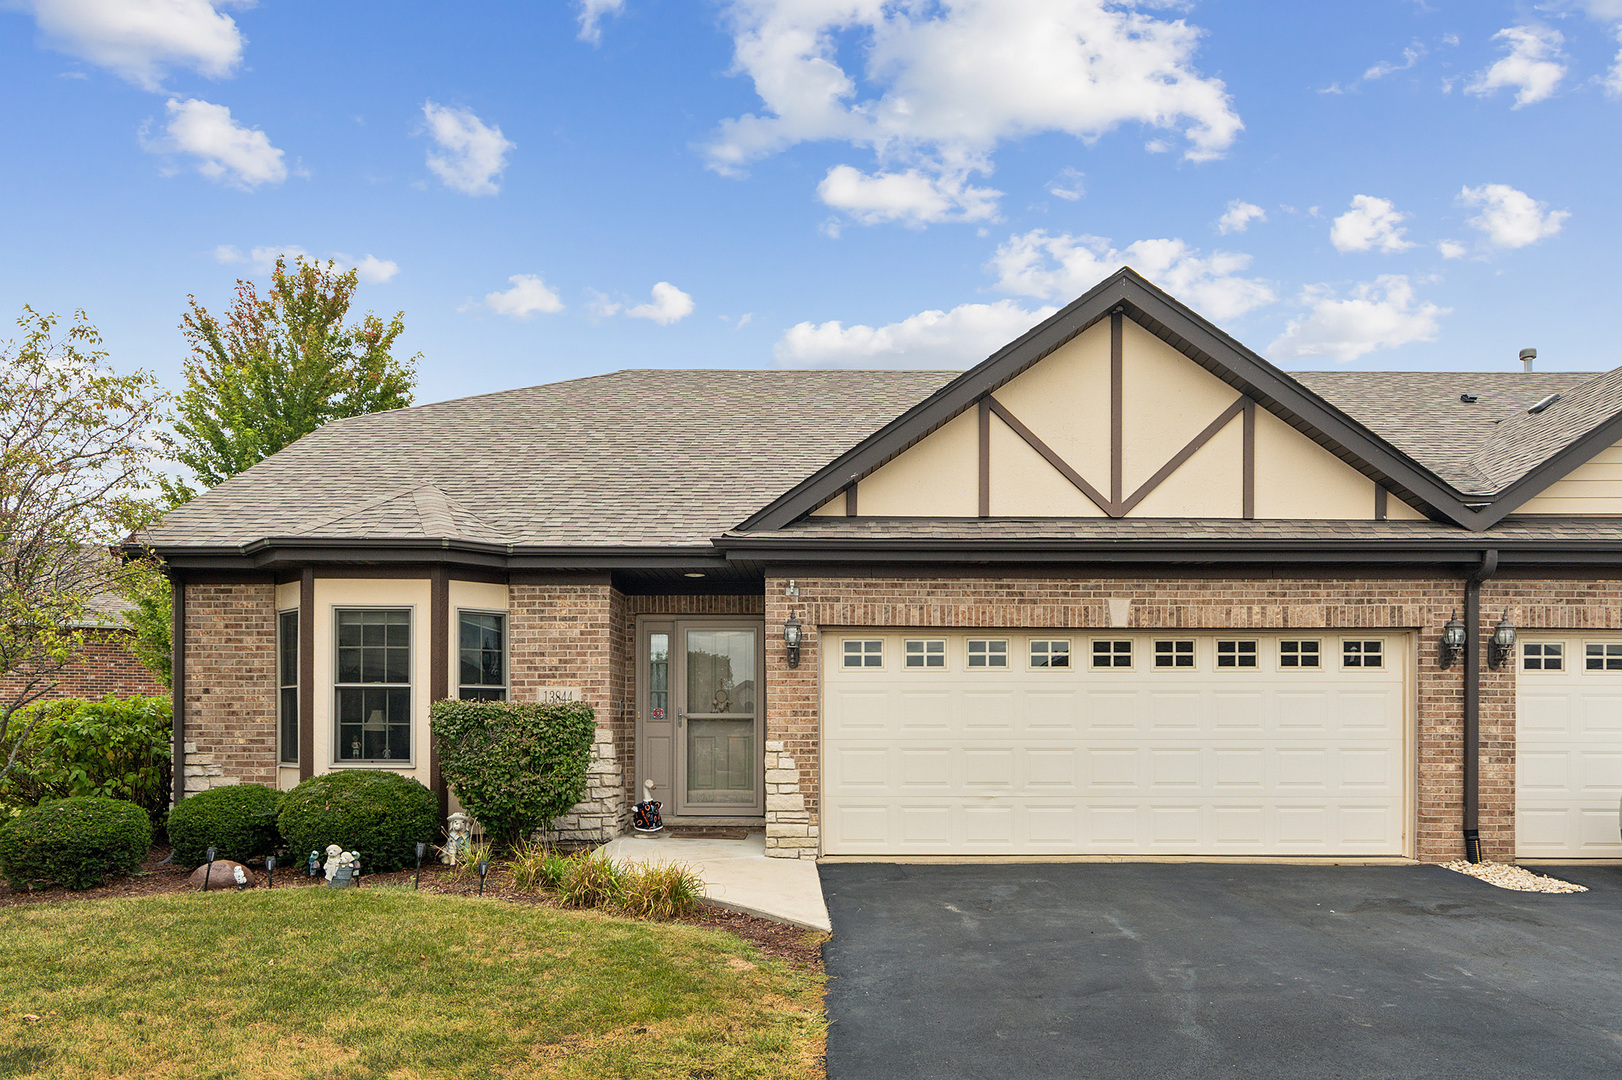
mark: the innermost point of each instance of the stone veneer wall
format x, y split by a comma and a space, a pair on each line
1216, 601
230, 691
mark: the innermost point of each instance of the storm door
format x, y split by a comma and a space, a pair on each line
715, 681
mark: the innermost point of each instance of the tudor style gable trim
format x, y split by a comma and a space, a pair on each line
1127, 294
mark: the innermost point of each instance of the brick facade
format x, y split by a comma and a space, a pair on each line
230, 692
105, 666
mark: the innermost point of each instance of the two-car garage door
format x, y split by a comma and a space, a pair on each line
1115, 743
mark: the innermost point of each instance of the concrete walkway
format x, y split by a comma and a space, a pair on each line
738, 875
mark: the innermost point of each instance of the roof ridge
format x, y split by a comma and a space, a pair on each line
1522, 442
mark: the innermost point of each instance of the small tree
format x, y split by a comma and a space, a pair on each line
73, 458
516, 766
278, 367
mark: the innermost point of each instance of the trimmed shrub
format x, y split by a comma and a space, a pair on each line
380, 814
117, 748
239, 822
75, 842
515, 765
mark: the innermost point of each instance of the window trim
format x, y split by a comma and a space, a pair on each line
1255, 654
926, 654
1319, 655
1363, 643
883, 654
1131, 654
968, 656
400, 765
506, 652
282, 760
1602, 645
1540, 669
1193, 654
1069, 653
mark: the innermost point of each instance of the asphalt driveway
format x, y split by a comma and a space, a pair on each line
1200, 970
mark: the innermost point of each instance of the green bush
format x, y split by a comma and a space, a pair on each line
116, 748
380, 814
516, 766
74, 842
239, 822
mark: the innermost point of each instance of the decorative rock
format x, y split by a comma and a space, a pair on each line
222, 875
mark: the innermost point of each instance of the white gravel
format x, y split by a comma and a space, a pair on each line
1513, 877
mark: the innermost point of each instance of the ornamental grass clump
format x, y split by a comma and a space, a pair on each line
239, 822
516, 766
75, 842
660, 891
592, 880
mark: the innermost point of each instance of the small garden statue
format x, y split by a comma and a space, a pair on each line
334, 860
645, 815
458, 838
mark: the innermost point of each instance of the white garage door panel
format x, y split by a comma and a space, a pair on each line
1568, 761
1114, 762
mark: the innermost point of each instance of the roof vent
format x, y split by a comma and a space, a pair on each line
1527, 356
1468, 399
1544, 404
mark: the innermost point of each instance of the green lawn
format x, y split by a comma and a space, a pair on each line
383, 982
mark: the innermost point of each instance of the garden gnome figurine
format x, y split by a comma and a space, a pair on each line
334, 852
458, 835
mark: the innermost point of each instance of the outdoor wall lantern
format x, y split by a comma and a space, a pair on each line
1452, 644
791, 638
1503, 642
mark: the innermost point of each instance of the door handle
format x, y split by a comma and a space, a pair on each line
681, 717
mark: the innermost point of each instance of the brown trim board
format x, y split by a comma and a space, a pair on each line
1180, 458
1052, 457
1249, 498
850, 499
439, 673
177, 680
1380, 504
306, 674
984, 409
1117, 405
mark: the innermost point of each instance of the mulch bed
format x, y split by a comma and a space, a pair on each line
801, 948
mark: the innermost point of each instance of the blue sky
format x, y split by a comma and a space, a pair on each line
558, 189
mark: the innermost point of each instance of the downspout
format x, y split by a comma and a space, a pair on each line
1472, 703
177, 692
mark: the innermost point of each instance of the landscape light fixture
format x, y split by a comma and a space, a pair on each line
210, 870
1453, 641
270, 870
422, 849
1503, 642
791, 638
484, 868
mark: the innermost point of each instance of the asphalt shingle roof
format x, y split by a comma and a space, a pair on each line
672, 458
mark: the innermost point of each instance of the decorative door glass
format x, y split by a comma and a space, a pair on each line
721, 717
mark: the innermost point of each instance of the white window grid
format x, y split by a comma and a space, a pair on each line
1543, 656
1362, 653
1233, 654
862, 654
1297, 654
922, 654
1049, 653
988, 653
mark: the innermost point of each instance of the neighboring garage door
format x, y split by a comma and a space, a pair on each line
1114, 743
1568, 746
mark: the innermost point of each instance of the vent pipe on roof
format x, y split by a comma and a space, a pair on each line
1527, 356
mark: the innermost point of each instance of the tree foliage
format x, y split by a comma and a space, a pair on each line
74, 458
119, 748
516, 765
277, 367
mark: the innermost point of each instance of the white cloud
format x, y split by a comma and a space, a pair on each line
669, 305
1452, 249
1613, 78
1063, 267
225, 150
1380, 314
911, 197
1238, 216
140, 40
369, 268
592, 13
931, 339
528, 295
943, 84
1511, 218
474, 154
1533, 66
1068, 184
1370, 223
1410, 56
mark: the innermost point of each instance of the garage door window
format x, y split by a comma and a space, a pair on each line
1174, 654
1604, 657
924, 653
864, 653
1050, 654
1362, 654
1112, 654
1298, 654
1236, 654
988, 654
1543, 656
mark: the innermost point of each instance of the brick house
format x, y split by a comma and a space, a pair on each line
105, 664
1123, 588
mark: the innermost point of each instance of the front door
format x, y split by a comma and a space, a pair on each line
699, 722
